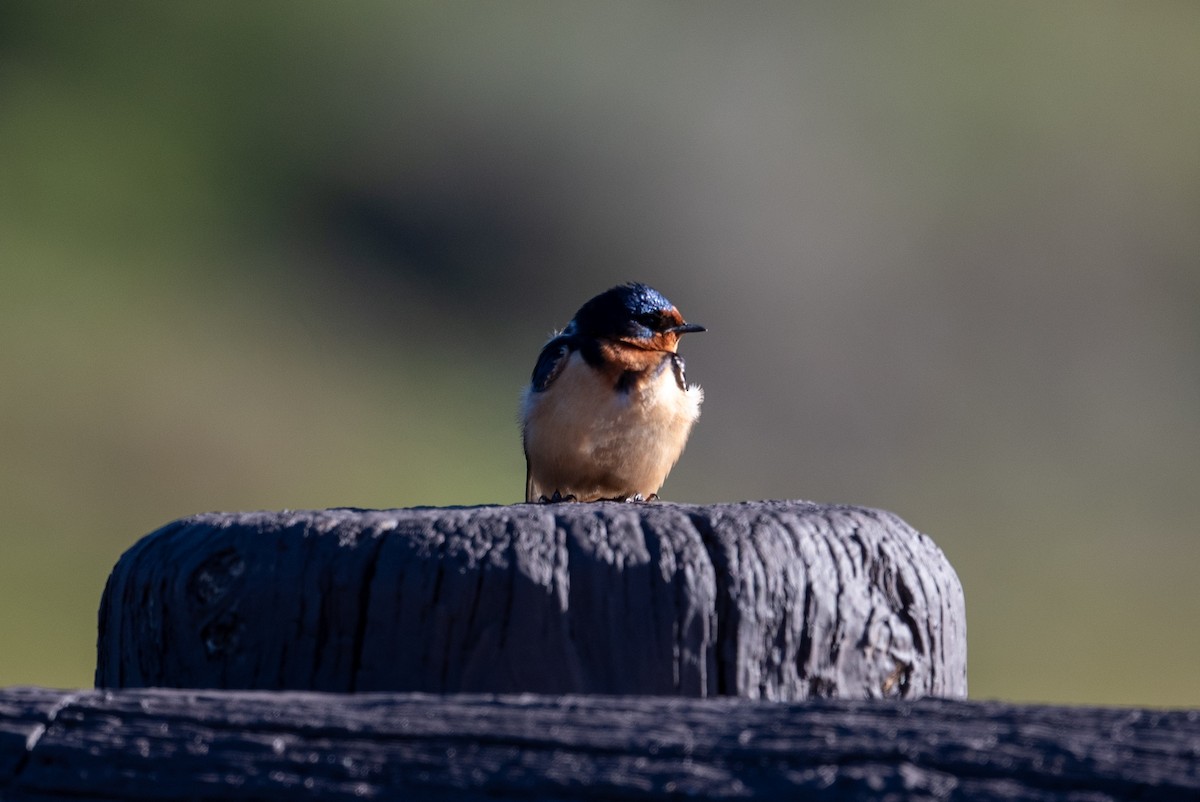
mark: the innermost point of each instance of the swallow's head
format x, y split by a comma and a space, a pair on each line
635, 314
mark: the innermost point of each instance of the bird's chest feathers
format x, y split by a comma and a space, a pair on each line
634, 402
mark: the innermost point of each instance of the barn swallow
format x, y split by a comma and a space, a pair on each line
608, 411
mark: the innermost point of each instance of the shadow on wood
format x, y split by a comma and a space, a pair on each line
774, 600
175, 745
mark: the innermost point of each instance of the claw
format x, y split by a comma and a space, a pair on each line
557, 498
636, 498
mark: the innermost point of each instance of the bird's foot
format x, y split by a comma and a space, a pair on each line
636, 498
557, 498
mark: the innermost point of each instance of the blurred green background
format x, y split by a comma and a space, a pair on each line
268, 255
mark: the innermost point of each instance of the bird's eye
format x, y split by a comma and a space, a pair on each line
651, 320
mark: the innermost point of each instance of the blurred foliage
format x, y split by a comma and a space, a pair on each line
303, 254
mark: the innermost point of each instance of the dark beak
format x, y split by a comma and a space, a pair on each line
687, 328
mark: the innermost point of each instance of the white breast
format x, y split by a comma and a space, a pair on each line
585, 439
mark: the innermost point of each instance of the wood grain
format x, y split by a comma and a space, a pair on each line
176, 744
772, 600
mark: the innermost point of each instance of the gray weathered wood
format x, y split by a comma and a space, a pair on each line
774, 600
176, 745
24, 715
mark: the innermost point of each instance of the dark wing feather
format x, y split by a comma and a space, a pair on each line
677, 366
551, 361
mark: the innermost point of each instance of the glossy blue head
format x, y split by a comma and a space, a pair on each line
632, 312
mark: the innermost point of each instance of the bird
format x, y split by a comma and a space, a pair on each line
608, 410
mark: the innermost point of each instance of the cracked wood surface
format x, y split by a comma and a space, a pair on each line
772, 600
231, 745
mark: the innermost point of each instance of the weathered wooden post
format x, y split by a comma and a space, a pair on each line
772, 600
558, 652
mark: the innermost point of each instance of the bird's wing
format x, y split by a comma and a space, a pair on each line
550, 362
677, 366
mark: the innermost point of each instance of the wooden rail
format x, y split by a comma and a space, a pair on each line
228, 745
